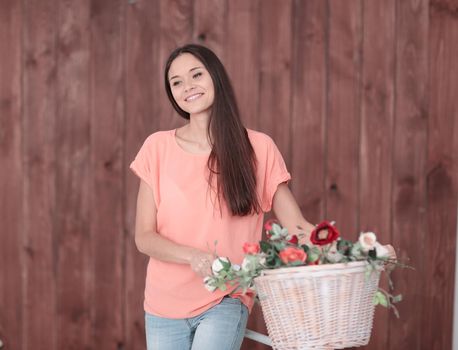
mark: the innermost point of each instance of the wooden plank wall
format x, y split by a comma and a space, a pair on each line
358, 95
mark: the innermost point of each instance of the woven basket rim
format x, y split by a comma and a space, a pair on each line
343, 267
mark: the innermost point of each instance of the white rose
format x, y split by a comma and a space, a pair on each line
207, 285
217, 265
381, 251
367, 241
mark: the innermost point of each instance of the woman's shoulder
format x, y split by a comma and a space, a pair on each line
158, 138
259, 139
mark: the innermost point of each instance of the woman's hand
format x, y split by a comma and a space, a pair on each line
201, 263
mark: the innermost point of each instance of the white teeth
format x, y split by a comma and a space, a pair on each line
193, 97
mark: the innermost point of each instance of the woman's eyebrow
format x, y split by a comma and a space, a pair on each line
176, 76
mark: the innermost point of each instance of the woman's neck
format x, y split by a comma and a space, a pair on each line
198, 127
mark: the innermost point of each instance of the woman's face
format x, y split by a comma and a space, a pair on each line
191, 84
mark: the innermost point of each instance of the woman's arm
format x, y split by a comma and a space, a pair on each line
149, 242
289, 214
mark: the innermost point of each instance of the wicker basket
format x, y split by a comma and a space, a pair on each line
318, 307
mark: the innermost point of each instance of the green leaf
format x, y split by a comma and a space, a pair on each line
368, 271
270, 261
265, 246
356, 250
305, 248
276, 229
372, 254
279, 246
226, 265
383, 300
313, 255
396, 298
344, 247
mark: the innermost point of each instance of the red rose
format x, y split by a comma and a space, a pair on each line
294, 239
251, 248
324, 233
292, 254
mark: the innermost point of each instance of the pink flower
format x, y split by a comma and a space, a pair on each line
251, 248
292, 254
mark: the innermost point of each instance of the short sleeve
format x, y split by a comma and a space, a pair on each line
146, 166
275, 174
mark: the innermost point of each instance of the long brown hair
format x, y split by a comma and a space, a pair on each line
232, 158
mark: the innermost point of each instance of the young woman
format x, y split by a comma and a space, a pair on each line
209, 181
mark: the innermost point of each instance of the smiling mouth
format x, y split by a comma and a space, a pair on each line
193, 97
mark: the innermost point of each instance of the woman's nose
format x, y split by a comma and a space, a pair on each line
188, 86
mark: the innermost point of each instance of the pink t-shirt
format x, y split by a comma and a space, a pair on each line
186, 215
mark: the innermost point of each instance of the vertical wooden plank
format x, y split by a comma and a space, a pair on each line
242, 56
441, 177
107, 123
275, 36
209, 24
308, 119
11, 253
72, 142
175, 30
39, 113
271, 85
143, 85
343, 122
409, 157
377, 103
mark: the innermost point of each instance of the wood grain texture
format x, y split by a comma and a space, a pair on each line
308, 119
441, 177
377, 121
359, 96
242, 56
11, 205
143, 83
209, 24
274, 108
343, 120
176, 23
107, 124
408, 164
73, 260
39, 121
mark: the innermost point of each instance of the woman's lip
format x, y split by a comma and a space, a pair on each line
193, 97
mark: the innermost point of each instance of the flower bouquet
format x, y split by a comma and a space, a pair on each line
313, 296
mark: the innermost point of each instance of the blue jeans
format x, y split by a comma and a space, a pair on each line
222, 327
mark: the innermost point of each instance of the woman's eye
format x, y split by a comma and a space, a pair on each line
195, 76
176, 83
